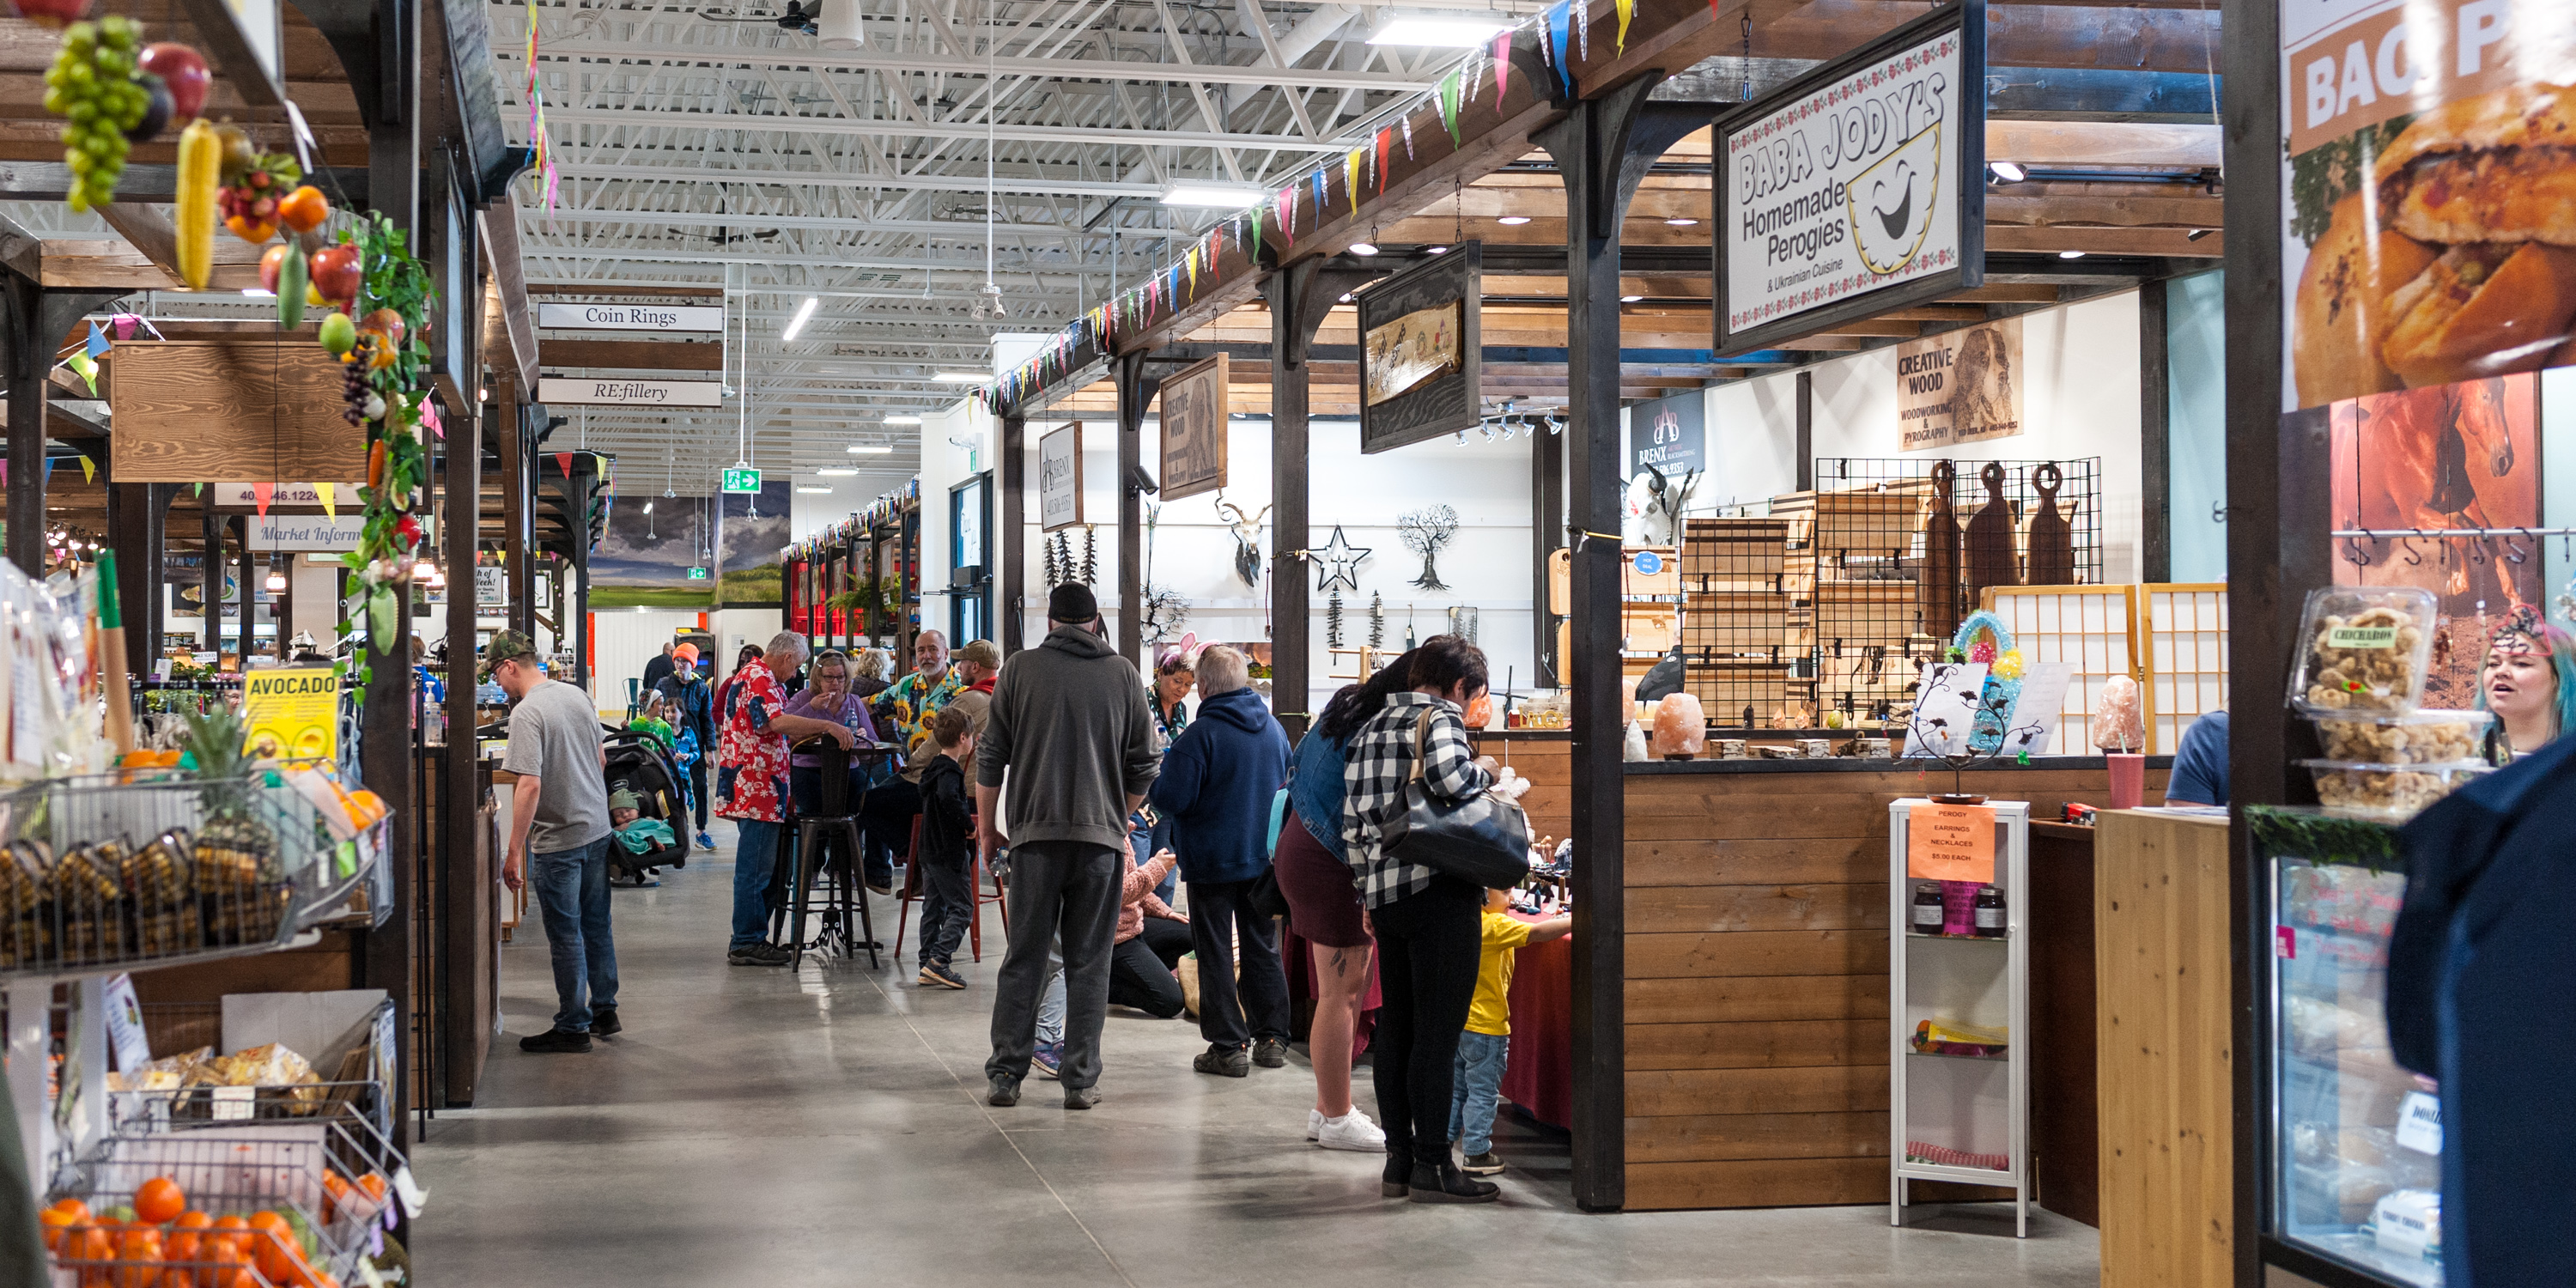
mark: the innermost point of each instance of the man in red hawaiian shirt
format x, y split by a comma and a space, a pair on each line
751, 783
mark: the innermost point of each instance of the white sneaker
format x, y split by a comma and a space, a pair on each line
1351, 1131
1314, 1122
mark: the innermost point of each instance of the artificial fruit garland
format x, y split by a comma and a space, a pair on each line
387, 363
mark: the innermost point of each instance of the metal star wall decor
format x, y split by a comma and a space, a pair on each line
1341, 563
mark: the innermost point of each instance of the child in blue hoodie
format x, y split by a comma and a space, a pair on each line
1215, 788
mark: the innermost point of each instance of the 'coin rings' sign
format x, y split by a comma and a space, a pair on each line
582, 391
671, 318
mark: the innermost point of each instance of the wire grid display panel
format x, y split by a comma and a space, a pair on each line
2095, 628
1735, 598
2184, 637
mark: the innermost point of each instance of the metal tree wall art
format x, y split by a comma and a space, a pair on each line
1091, 552
1946, 715
1425, 531
1163, 609
1247, 538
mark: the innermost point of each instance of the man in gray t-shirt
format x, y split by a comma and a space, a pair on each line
559, 814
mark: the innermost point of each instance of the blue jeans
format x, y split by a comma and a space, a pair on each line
572, 898
1478, 1086
755, 860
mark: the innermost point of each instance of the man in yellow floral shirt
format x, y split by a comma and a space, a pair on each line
904, 710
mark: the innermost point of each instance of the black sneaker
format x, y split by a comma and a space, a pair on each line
555, 1042
760, 955
1081, 1097
1223, 1060
603, 1022
1003, 1092
1270, 1053
939, 975
1484, 1164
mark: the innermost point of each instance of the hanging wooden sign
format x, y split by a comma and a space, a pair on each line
1420, 349
190, 410
1060, 478
1193, 423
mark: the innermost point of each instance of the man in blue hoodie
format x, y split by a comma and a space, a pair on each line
1217, 783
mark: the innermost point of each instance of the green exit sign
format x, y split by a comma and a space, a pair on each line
697, 574
741, 478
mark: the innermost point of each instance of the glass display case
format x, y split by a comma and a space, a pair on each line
2352, 1150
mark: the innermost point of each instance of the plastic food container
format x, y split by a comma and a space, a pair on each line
2363, 649
2392, 793
2428, 737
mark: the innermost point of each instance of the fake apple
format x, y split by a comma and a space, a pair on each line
184, 70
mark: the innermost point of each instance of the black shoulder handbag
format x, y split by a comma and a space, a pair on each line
1484, 839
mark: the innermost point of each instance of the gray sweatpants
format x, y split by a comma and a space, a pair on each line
1062, 892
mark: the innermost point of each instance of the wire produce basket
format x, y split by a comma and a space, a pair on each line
350, 1096
104, 871
277, 1201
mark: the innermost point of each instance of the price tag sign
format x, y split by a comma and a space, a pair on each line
235, 1104
2419, 1123
125, 1025
1950, 843
741, 478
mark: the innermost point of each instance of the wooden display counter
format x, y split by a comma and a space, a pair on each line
1756, 975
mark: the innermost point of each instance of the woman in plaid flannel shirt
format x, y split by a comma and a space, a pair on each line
1428, 928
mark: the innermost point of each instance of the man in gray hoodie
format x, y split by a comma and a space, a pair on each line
1069, 722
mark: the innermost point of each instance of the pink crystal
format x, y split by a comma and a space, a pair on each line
1681, 728
2117, 722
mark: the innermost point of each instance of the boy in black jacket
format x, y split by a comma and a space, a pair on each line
947, 833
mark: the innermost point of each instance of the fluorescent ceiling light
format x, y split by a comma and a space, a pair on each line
2008, 171
1680, 222
836, 474
2070, 254
1435, 250
1363, 248
1219, 196
1630, 299
903, 420
804, 488
871, 449
258, 294
961, 377
1513, 221
797, 323
1464, 31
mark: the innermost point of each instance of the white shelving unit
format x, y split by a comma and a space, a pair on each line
1974, 1105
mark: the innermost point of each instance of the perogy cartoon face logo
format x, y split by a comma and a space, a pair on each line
1890, 204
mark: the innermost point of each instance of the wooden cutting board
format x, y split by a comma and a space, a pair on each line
1988, 551
1936, 586
2052, 538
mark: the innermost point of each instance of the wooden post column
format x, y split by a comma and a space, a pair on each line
1010, 548
1300, 297
1136, 392
1602, 151
460, 783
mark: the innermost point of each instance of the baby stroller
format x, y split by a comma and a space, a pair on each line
639, 763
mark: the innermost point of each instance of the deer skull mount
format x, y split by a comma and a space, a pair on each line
1247, 539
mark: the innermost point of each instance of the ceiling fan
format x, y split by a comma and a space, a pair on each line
797, 18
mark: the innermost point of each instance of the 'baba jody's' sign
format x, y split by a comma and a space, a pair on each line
672, 318
584, 391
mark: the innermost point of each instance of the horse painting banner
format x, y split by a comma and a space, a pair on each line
2464, 455
1959, 387
2429, 224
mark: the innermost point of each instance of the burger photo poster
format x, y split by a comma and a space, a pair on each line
2429, 192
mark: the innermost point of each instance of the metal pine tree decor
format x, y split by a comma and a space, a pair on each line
1425, 531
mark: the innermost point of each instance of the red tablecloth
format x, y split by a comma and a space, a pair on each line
1540, 1077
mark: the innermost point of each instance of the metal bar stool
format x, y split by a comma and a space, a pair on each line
975, 879
833, 829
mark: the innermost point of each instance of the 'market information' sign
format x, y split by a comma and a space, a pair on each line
1856, 188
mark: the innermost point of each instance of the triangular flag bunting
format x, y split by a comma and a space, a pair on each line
1583, 31
49, 471
1449, 107
1627, 9
1323, 195
1385, 140
1351, 173
86, 368
563, 461
1559, 17
1192, 260
1502, 66
259, 493
1256, 240
330, 494
1472, 73
429, 417
1408, 136
97, 344
89, 470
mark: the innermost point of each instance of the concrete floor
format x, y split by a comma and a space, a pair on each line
757, 1128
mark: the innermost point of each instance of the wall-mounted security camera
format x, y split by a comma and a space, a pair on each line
1140, 481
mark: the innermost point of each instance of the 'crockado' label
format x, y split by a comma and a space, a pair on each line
2362, 637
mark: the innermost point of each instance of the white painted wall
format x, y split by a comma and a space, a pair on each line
2080, 398
1487, 565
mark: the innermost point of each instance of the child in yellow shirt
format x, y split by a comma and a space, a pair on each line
1485, 1048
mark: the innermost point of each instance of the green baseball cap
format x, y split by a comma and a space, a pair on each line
505, 645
